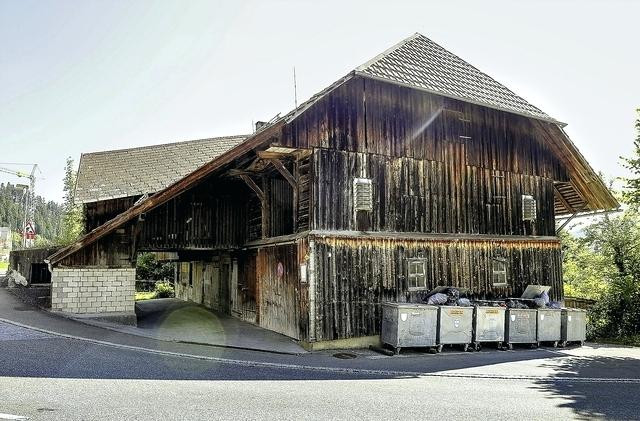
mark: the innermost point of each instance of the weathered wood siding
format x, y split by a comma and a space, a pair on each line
210, 216
439, 165
381, 118
353, 276
97, 213
417, 195
111, 251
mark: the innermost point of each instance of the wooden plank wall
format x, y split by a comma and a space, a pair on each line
97, 213
417, 195
212, 215
380, 118
353, 276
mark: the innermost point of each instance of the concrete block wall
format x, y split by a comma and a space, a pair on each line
93, 290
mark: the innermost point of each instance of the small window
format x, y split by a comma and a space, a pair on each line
528, 208
499, 272
362, 194
417, 274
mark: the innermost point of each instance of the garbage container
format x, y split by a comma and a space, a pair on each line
455, 326
520, 326
549, 325
488, 326
409, 325
573, 326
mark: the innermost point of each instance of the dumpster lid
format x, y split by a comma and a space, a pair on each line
532, 291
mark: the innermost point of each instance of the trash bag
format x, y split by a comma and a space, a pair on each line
437, 299
516, 304
545, 296
464, 302
539, 302
453, 294
555, 304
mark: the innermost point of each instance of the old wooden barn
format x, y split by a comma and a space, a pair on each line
414, 170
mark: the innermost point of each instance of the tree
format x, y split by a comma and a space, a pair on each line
584, 270
72, 224
149, 269
616, 239
632, 191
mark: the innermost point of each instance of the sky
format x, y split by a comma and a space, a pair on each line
84, 76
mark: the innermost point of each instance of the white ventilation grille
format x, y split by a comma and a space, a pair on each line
362, 194
529, 208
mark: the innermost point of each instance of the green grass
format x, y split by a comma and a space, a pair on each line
626, 340
4, 266
145, 295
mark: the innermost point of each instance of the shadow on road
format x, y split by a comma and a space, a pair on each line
613, 398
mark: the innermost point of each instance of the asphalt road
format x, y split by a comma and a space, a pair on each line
49, 377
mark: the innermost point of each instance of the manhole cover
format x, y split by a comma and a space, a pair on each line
345, 355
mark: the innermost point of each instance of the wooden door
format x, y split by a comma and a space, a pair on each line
278, 289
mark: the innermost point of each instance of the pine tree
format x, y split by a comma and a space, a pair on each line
72, 225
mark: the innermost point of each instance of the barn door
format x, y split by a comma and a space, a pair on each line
278, 278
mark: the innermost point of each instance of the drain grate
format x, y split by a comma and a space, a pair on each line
345, 355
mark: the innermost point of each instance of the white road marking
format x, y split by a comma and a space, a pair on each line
342, 370
12, 417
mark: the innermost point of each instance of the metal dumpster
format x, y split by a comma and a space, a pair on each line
549, 325
488, 325
409, 325
520, 326
573, 326
455, 326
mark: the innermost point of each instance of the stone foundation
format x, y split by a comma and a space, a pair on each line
93, 290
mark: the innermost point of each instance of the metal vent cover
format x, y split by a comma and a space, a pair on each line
529, 208
362, 194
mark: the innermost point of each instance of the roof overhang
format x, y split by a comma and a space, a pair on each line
255, 141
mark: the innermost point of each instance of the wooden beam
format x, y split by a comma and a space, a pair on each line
563, 200
234, 172
284, 172
272, 155
253, 186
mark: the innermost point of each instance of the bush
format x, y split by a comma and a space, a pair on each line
164, 290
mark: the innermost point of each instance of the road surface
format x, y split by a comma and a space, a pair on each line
44, 376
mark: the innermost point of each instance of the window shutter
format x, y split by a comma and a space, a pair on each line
362, 194
529, 209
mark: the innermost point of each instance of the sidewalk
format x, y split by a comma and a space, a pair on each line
170, 319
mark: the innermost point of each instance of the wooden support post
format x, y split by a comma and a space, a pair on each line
263, 201
284, 172
253, 186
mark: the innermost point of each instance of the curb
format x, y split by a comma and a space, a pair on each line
340, 370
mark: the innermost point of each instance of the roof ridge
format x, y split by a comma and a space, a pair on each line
480, 71
421, 63
388, 51
180, 142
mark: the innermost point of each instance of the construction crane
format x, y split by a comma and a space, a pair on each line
28, 226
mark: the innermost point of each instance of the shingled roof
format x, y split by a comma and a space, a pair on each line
420, 63
136, 171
